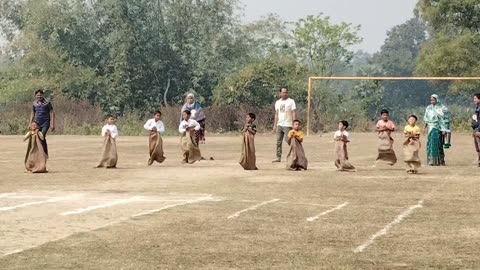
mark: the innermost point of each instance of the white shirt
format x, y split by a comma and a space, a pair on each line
155, 124
339, 133
190, 123
284, 109
113, 130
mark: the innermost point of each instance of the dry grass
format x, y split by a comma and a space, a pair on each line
444, 234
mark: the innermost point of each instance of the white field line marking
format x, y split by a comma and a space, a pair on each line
338, 207
385, 230
208, 198
237, 214
57, 199
29, 197
99, 206
106, 225
3, 195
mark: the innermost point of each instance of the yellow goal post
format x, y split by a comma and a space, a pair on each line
312, 79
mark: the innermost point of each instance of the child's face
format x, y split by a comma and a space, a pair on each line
39, 97
110, 120
186, 116
385, 116
249, 119
412, 121
297, 126
34, 126
157, 116
341, 126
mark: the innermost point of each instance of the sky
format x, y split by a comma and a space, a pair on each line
376, 17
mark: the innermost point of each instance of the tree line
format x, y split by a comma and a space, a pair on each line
135, 55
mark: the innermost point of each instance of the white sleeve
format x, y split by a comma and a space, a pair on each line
161, 128
277, 106
294, 107
147, 125
197, 125
181, 127
104, 130
114, 132
336, 134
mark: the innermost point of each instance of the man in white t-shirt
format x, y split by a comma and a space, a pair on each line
284, 115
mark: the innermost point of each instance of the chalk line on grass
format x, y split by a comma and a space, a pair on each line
385, 229
207, 198
4, 195
57, 199
338, 207
99, 206
237, 214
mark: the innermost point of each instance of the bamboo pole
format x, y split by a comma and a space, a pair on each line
309, 105
397, 78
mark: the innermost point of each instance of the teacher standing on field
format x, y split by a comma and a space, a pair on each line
284, 115
42, 113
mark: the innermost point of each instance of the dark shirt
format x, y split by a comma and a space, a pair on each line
41, 111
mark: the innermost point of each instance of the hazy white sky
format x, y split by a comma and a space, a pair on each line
375, 16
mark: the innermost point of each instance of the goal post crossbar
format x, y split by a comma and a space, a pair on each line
311, 79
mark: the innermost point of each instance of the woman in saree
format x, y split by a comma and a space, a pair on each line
437, 122
197, 114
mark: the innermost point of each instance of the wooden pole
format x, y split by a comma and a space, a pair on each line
397, 78
309, 105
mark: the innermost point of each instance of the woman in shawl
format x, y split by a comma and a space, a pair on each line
197, 114
437, 122
36, 157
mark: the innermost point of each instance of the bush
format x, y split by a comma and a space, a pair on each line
80, 118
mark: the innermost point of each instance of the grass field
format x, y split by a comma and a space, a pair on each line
215, 215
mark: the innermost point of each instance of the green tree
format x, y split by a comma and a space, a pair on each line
398, 57
324, 46
258, 83
454, 47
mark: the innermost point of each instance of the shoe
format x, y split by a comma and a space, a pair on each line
276, 160
150, 162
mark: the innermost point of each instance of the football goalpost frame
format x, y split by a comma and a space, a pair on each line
312, 79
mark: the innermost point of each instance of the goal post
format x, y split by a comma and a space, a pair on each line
312, 79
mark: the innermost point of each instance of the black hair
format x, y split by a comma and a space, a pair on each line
188, 112
297, 121
344, 123
39, 91
414, 116
158, 112
283, 87
477, 95
108, 116
384, 111
35, 121
252, 115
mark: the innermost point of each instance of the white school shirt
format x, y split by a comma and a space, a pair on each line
113, 130
285, 109
339, 133
191, 123
155, 124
